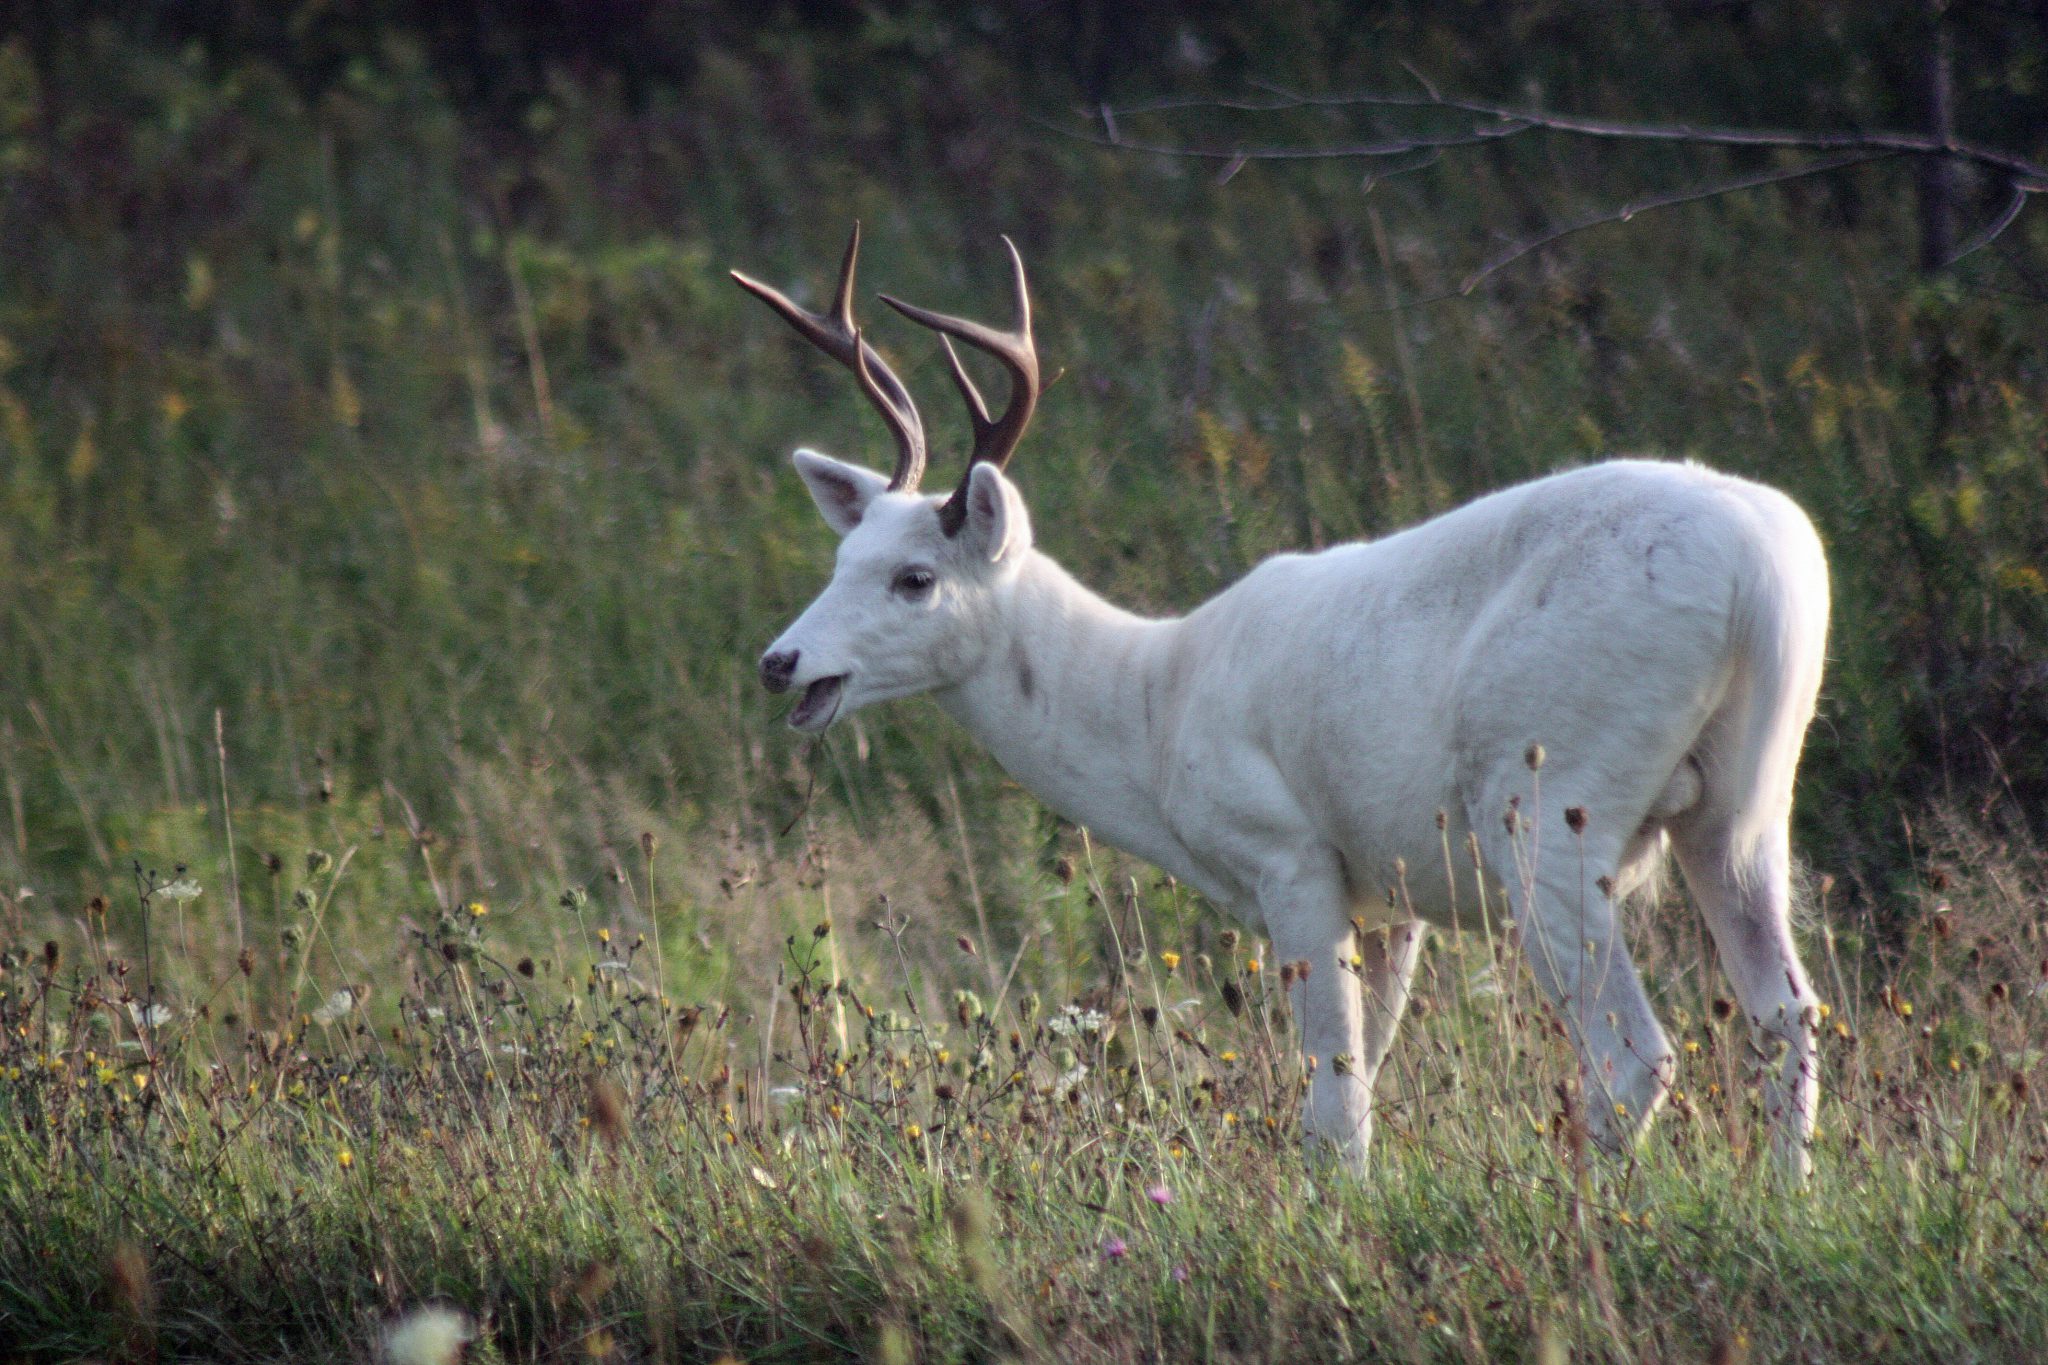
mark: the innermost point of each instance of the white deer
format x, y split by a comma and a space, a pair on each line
1296, 745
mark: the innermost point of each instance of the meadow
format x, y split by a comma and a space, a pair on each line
410, 899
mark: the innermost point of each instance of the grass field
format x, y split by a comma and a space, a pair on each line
1077, 1159
409, 899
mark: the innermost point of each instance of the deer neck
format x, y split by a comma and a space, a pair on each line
1072, 699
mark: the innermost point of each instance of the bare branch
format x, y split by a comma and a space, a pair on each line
1500, 122
1990, 234
1114, 136
2033, 175
1634, 207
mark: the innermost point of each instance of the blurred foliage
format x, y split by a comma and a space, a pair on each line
368, 375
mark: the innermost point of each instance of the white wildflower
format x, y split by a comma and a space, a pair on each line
427, 1336
1073, 1021
338, 1005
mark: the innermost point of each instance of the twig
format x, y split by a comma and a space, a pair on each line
1630, 210
1998, 225
227, 819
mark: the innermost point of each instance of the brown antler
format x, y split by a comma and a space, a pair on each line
994, 440
837, 336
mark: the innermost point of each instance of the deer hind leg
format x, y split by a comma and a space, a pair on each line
1571, 934
1387, 959
1308, 916
1746, 900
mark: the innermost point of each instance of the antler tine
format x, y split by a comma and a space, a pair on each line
838, 336
994, 440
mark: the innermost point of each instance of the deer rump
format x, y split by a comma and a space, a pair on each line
1656, 627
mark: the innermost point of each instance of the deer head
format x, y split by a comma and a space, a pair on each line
909, 605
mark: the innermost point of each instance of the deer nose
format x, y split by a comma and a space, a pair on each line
777, 669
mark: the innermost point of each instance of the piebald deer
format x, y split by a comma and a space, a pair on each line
1297, 744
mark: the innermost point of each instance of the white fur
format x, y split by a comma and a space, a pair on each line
1286, 747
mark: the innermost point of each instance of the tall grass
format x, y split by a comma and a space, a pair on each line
878, 1144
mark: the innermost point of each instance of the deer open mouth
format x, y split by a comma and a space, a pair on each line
819, 705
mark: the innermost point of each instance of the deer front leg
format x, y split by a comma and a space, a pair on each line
1306, 914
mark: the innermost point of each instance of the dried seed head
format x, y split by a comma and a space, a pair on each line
128, 1283
608, 1111
1575, 819
1533, 756
1064, 870
1228, 940
589, 1284
966, 945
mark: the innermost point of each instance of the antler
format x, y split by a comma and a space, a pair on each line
994, 440
837, 336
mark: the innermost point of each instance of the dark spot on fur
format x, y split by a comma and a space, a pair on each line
1026, 684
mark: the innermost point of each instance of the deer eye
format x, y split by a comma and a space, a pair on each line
913, 582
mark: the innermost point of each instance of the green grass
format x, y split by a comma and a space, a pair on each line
882, 1155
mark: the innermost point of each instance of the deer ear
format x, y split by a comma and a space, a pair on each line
841, 490
997, 523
